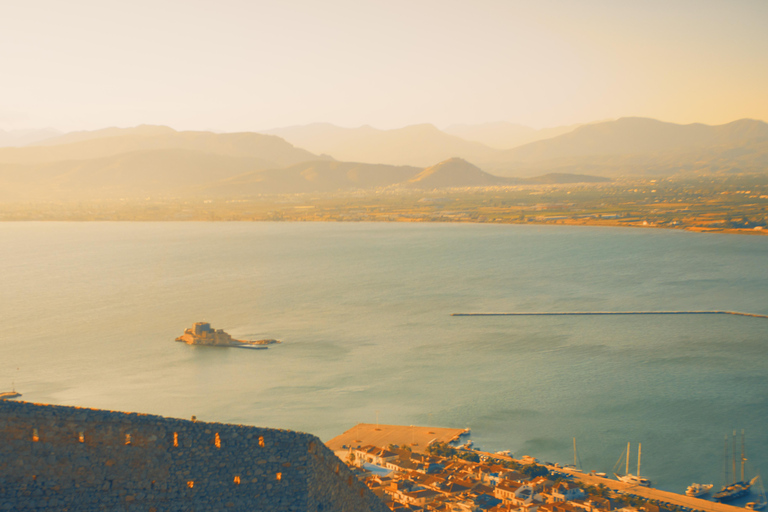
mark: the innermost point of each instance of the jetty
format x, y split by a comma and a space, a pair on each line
418, 438
588, 313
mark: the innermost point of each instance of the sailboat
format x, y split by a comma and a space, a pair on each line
628, 477
761, 501
737, 489
576, 466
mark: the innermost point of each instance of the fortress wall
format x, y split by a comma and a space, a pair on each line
67, 458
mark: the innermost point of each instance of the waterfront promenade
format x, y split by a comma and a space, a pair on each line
653, 494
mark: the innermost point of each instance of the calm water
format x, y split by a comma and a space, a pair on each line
90, 312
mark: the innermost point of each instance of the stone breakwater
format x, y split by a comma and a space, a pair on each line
76, 459
587, 313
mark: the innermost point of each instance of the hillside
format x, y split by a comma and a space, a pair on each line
634, 135
164, 172
642, 147
135, 162
113, 141
455, 172
318, 176
418, 145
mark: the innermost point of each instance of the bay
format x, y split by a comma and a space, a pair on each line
90, 312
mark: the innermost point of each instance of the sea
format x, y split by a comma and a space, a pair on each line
90, 312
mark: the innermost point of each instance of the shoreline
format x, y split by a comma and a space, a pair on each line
574, 223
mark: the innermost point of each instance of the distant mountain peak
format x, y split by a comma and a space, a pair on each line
454, 172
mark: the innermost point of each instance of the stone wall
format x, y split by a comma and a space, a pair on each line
68, 458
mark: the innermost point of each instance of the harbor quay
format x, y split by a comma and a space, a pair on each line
650, 493
434, 469
417, 438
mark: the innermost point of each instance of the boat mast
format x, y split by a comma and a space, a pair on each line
639, 448
734, 456
743, 458
627, 471
574, 453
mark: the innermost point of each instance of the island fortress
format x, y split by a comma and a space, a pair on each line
202, 334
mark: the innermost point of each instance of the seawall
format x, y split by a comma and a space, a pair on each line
77, 459
587, 313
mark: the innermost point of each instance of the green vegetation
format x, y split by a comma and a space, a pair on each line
447, 451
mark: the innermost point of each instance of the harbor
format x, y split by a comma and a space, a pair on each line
376, 438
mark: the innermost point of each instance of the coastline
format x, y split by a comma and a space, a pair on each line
560, 222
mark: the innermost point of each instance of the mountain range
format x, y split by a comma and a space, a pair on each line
505, 135
419, 145
642, 147
159, 161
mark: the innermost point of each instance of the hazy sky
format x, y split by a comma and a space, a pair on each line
248, 65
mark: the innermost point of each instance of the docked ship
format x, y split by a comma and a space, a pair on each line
739, 488
202, 334
696, 490
735, 490
627, 477
761, 501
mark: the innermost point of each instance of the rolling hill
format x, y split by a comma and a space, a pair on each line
135, 162
114, 141
455, 172
318, 176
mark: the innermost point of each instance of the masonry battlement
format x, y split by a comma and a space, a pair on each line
69, 458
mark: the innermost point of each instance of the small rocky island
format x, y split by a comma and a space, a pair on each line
202, 334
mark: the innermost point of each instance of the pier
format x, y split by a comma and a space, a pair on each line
587, 313
418, 438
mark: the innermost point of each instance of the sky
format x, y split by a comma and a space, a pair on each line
249, 65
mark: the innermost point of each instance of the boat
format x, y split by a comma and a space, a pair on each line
627, 477
576, 460
739, 488
761, 501
733, 491
696, 490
